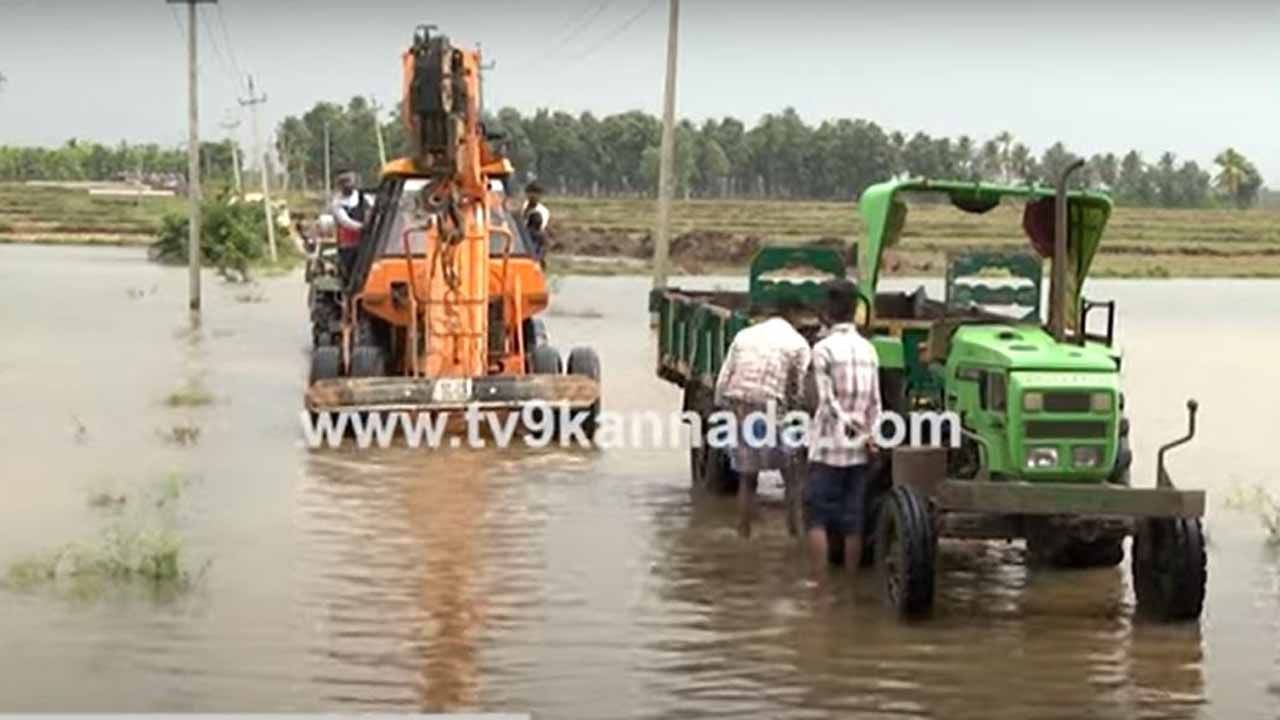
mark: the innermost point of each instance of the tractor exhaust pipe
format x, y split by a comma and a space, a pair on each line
1058, 280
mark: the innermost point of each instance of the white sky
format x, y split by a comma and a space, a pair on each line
1156, 76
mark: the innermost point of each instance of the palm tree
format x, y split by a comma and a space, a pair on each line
1235, 170
1005, 141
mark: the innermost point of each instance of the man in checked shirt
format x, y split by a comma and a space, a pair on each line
764, 370
846, 372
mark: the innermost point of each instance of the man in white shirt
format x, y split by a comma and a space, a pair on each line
350, 208
764, 368
537, 219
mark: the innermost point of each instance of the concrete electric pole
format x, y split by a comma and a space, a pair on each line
193, 157
252, 102
328, 171
377, 129
662, 231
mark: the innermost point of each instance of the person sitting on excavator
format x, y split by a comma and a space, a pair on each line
536, 219
350, 208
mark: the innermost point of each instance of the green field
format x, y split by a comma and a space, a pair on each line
720, 234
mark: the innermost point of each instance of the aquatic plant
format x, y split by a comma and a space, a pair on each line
1260, 502
191, 395
145, 547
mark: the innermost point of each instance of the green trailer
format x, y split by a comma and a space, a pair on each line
1024, 430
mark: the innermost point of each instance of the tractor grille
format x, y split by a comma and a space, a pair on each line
1067, 402
1069, 429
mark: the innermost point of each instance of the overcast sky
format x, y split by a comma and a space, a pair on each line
1101, 76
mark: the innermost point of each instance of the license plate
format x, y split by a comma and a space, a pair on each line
451, 390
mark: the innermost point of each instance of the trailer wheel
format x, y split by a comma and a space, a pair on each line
718, 476
1169, 568
584, 361
368, 361
906, 551
326, 363
545, 360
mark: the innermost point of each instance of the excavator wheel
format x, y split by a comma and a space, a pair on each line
368, 361
545, 360
584, 361
326, 363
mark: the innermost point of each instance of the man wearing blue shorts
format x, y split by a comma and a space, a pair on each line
846, 373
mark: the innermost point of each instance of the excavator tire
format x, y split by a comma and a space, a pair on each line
368, 361
584, 361
545, 360
326, 363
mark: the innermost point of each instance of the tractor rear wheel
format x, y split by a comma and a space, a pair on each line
368, 361
326, 363
1169, 568
584, 361
906, 552
545, 360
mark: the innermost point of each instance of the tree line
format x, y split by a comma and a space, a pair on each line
79, 160
781, 156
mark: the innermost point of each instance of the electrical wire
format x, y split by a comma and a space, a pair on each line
226, 36
618, 31
583, 23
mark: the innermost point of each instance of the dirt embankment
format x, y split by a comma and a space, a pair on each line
689, 250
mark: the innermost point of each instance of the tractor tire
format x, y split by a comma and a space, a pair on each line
545, 360
1170, 568
906, 553
368, 361
326, 363
584, 361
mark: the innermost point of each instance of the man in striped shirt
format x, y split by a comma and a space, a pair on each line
846, 373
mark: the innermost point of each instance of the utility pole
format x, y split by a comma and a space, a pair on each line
377, 129
484, 67
230, 126
328, 171
662, 234
252, 102
193, 157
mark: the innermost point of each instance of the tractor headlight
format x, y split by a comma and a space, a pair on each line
1100, 402
1039, 458
1033, 402
1086, 456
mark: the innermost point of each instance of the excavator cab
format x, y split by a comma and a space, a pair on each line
439, 311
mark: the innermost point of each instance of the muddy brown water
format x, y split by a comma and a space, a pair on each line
573, 584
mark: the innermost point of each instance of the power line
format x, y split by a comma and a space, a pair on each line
582, 24
227, 67
226, 36
626, 25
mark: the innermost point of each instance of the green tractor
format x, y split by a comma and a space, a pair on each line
1016, 420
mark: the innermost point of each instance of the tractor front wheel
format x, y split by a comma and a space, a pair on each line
906, 552
1169, 568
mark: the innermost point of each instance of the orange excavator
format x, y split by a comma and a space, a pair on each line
438, 312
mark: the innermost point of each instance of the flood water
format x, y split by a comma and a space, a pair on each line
571, 584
